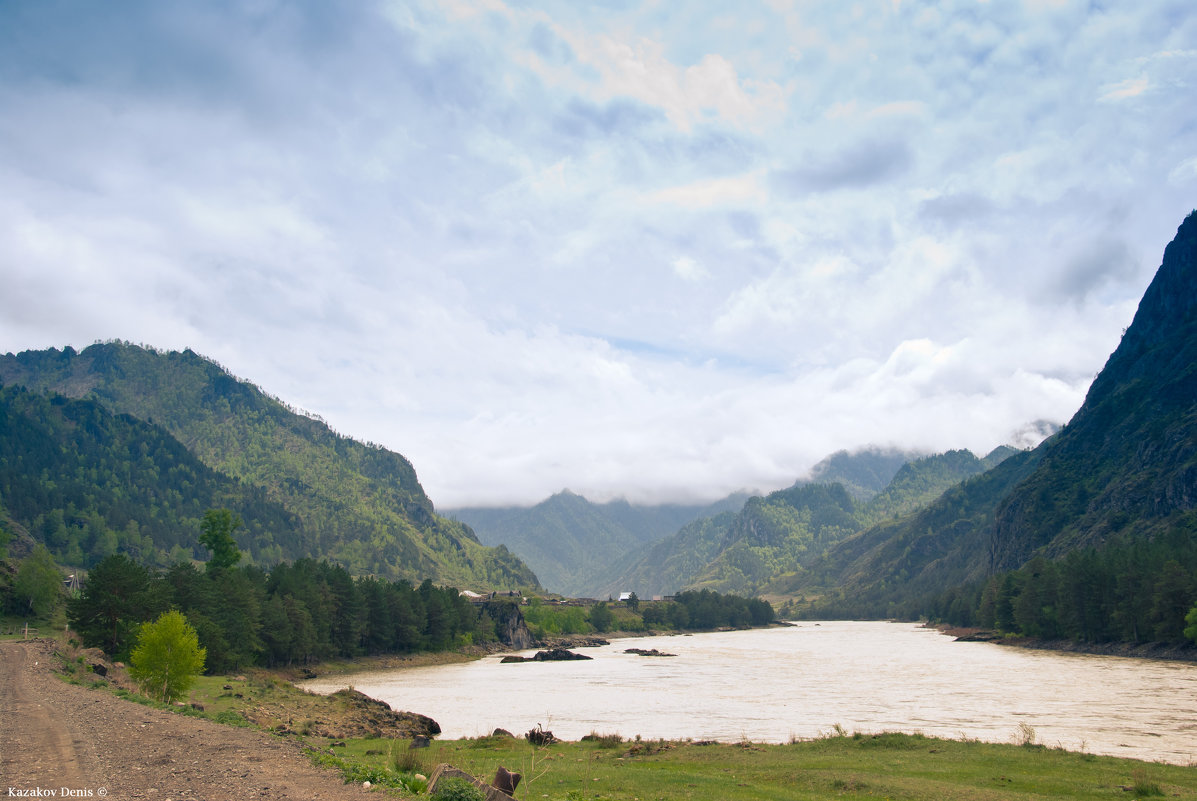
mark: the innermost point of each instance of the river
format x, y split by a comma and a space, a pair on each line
778, 684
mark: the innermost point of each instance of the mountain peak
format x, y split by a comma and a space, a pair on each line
1170, 301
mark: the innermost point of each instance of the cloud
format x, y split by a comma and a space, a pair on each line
734, 191
957, 208
857, 166
1095, 266
1124, 90
688, 269
688, 95
1184, 172
629, 248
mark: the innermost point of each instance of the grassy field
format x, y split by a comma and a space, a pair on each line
895, 766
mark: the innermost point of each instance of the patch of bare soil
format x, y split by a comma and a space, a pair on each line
82, 743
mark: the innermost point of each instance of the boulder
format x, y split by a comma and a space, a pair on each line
506, 781
551, 655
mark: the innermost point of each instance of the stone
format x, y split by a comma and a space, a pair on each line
506, 781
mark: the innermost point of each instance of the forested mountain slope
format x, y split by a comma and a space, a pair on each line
1127, 461
88, 484
361, 505
1124, 469
773, 539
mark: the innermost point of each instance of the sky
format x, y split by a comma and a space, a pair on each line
652, 250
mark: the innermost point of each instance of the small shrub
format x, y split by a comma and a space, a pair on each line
412, 783
604, 740
889, 739
455, 788
486, 741
836, 731
1144, 787
405, 759
849, 785
230, 717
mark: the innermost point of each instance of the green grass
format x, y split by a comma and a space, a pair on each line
889, 765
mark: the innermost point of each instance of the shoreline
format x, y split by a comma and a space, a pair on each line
367, 664
1151, 650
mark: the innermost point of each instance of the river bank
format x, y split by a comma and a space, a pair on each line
370, 664
1149, 650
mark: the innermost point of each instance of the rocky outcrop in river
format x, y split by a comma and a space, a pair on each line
551, 655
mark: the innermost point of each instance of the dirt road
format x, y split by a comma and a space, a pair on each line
58, 740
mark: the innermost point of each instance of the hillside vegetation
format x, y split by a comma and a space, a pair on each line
773, 540
1089, 536
302, 488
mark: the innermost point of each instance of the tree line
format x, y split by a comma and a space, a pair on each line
293, 613
1130, 590
697, 610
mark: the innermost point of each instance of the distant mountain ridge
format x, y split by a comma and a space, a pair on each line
863, 472
581, 548
571, 542
772, 539
359, 504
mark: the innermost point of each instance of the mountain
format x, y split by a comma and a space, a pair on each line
669, 565
921, 481
863, 473
571, 543
358, 504
773, 539
89, 483
1128, 458
1124, 468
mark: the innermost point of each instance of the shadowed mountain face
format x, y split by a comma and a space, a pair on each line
1128, 458
359, 504
1125, 466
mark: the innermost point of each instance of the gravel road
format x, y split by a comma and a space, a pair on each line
63, 741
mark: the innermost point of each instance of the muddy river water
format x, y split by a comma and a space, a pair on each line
772, 685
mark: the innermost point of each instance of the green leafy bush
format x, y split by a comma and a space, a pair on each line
455, 788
